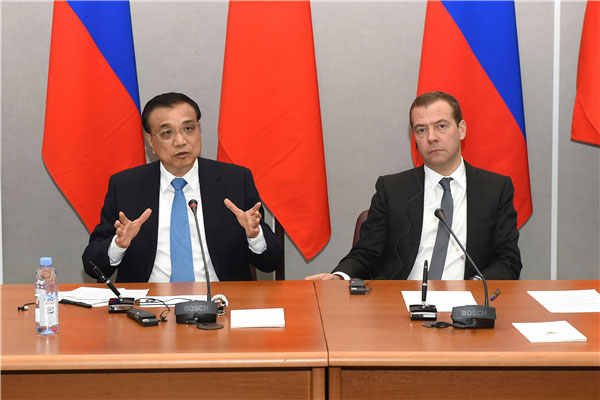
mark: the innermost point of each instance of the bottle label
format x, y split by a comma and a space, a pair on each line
49, 310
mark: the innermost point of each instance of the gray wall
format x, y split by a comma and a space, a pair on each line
367, 61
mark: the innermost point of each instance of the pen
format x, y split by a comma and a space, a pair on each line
105, 279
424, 285
75, 303
495, 294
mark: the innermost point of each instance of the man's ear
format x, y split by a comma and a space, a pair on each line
149, 140
462, 129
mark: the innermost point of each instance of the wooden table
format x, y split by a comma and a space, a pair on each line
97, 355
377, 352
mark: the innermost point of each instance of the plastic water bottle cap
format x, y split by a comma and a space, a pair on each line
46, 261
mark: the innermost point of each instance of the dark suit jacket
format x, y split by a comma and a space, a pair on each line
390, 237
135, 189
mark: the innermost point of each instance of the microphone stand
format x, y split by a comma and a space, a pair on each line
201, 313
194, 207
470, 316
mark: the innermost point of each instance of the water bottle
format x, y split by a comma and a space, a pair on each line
46, 298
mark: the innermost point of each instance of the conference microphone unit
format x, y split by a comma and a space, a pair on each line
201, 313
423, 311
470, 316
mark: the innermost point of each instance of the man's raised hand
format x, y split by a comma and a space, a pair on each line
249, 220
127, 230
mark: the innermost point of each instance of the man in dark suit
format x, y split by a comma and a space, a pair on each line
401, 230
141, 248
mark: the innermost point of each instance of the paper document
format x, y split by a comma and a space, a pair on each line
258, 318
98, 297
170, 300
568, 301
443, 300
547, 332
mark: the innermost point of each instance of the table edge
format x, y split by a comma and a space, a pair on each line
464, 359
166, 361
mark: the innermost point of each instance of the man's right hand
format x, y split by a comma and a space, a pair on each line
323, 277
127, 230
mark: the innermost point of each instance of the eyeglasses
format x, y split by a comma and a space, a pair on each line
188, 129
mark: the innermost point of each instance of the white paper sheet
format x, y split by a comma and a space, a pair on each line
548, 332
443, 300
258, 318
98, 297
171, 300
568, 301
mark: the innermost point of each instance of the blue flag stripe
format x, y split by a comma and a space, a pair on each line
491, 31
109, 25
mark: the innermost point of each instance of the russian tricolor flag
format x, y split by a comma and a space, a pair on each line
470, 50
93, 127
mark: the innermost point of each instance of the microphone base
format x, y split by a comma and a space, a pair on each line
474, 317
120, 304
423, 312
192, 312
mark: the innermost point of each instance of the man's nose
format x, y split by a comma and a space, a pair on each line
432, 135
179, 139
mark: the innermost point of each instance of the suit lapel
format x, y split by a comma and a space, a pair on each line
414, 202
408, 240
212, 200
474, 196
414, 206
149, 193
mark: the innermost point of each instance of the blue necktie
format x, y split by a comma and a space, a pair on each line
440, 248
182, 264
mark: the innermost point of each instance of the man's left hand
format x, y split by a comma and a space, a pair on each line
249, 220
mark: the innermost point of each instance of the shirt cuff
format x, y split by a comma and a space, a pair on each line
115, 253
258, 244
343, 275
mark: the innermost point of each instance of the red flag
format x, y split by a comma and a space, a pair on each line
93, 126
586, 113
270, 119
470, 50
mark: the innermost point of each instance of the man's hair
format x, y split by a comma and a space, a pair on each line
167, 100
427, 99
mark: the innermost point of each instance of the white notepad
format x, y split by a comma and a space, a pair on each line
548, 332
258, 318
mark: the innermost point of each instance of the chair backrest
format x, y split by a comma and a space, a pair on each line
359, 221
252, 272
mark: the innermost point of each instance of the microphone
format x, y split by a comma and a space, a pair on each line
116, 304
193, 204
104, 279
201, 313
423, 311
470, 316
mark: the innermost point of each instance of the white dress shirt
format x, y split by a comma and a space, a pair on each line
161, 272
455, 258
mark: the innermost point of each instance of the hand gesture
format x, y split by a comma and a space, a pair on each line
127, 230
249, 220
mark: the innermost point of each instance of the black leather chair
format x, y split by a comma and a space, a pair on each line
359, 221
